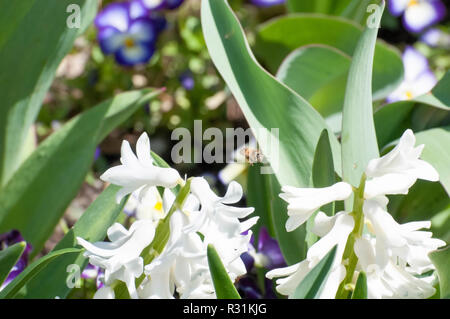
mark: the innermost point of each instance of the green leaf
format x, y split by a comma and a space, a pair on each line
50, 178
9, 257
266, 103
26, 77
92, 226
280, 36
360, 291
323, 169
351, 9
319, 74
14, 287
259, 196
440, 259
359, 141
437, 152
222, 283
312, 285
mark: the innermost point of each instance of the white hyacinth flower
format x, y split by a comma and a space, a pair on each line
398, 170
139, 172
303, 202
339, 227
393, 280
121, 257
215, 209
402, 241
146, 206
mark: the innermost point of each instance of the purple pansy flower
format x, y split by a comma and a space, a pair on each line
161, 4
268, 254
418, 80
9, 239
95, 273
187, 80
418, 14
249, 289
267, 3
436, 38
126, 31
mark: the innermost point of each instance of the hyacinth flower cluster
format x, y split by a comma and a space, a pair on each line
418, 79
163, 254
393, 256
6, 240
417, 15
129, 30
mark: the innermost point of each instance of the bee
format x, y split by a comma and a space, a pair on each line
252, 155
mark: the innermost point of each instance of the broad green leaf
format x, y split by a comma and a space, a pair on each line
323, 169
259, 197
359, 141
91, 226
222, 283
32, 270
25, 77
280, 36
267, 104
318, 6
351, 9
437, 152
9, 257
360, 291
49, 179
312, 285
319, 74
440, 259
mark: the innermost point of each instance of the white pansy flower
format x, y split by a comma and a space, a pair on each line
403, 241
121, 257
303, 202
398, 170
341, 226
393, 280
139, 172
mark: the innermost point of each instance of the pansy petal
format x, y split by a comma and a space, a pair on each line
110, 39
415, 63
424, 83
142, 30
153, 4
137, 9
114, 15
137, 54
396, 7
421, 15
267, 3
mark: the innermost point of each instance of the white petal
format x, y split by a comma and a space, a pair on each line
104, 293
143, 150
389, 184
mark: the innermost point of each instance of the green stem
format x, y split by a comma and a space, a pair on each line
349, 257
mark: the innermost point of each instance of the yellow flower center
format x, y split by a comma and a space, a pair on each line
413, 3
158, 206
129, 42
409, 95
